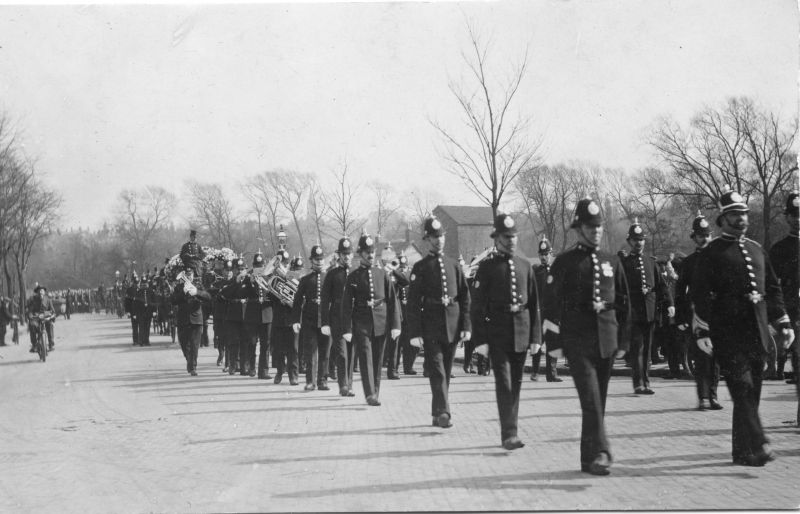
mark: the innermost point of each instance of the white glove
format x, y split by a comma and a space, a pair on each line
671, 311
534, 348
704, 343
558, 354
296, 328
465, 335
191, 291
326, 330
482, 350
416, 342
619, 354
683, 326
788, 337
395, 333
347, 337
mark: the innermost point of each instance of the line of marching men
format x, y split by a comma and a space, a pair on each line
582, 306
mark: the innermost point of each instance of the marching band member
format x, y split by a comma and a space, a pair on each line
130, 296
190, 298
264, 322
585, 297
143, 308
438, 316
283, 339
736, 297
332, 293
369, 308
398, 274
220, 311
234, 320
306, 310
505, 311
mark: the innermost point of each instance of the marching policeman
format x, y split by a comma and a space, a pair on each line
258, 309
130, 297
143, 308
307, 311
234, 320
331, 307
706, 368
542, 270
369, 308
736, 296
190, 299
585, 298
284, 340
262, 313
394, 347
438, 316
646, 285
505, 315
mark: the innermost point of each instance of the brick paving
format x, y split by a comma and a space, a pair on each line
109, 427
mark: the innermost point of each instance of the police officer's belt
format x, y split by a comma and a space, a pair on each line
438, 301
507, 307
371, 303
575, 306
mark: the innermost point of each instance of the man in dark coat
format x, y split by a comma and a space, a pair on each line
736, 296
646, 287
585, 302
331, 307
542, 270
306, 311
784, 257
706, 368
505, 313
283, 339
369, 309
130, 297
399, 275
192, 253
438, 316
190, 299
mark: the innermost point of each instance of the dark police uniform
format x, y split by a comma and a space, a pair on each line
394, 347
189, 318
736, 295
307, 312
236, 300
505, 314
331, 309
542, 271
369, 310
130, 296
645, 286
284, 340
585, 297
260, 311
438, 311
192, 253
143, 306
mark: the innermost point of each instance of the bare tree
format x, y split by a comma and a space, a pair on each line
213, 211
341, 209
291, 188
261, 191
316, 206
385, 206
142, 213
422, 203
496, 149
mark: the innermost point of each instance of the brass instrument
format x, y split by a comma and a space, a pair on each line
472, 268
284, 288
187, 282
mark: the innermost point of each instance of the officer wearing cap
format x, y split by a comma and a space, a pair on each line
438, 316
398, 272
331, 307
585, 304
284, 340
192, 253
542, 270
784, 258
130, 296
646, 286
264, 316
219, 311
402, 280
505, 314
369, 309
143, 307
736, 296
190, 299
307, 312
706, 368
237, 337
257, 314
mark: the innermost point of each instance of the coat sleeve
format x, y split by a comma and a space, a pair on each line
347, 305
776, 312
700, 292
533, 308
325, 299
664, 294
392, 303
551, 305
414, 307
464, 300
299, 300
478, 305
622, 306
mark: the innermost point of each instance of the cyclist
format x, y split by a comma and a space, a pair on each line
38, 304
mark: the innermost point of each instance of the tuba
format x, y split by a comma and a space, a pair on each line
472, 268
284, 288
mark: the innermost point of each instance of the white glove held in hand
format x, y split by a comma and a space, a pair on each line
347, 337
296, 328
395, 333
704, 343
326, 330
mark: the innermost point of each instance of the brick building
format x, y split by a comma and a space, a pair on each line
468, 229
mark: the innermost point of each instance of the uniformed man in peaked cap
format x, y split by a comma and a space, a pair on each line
438, 316
331, 307
706, 368
585, 303
306, 312
192, 253
505, 315
736, 296
646, 287
369, 309
542, 270
190, 299
283, 339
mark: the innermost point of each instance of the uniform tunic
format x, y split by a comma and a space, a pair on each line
307, 311
331, 312
189, 318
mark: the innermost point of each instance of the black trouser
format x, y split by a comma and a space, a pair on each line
264, 340
343, 355
370, 357
219, 336
235, 333
508, 368
2, 333
189, 338
135, 329
247, 349
591, 375
316, 348
440, 356
671, 347
550, 365
391, 354
706, 372
641, 340
284, 352
409, 352
144, 327
204, 337
743, 375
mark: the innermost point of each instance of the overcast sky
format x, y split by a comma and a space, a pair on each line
109, 97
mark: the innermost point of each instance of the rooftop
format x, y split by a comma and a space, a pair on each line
467, 214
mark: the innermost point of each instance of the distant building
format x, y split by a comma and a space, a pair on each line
468, 229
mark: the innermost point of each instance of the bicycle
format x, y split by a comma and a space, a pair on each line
37, 325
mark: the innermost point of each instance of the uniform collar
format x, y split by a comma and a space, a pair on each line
584, 248
730, 237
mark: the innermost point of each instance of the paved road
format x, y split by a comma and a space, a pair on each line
107, 427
